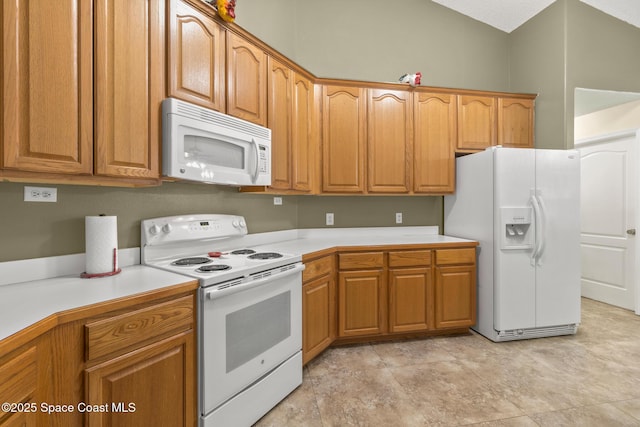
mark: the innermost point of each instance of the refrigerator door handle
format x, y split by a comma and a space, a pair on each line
538, 214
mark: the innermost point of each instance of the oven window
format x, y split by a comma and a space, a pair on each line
211, 151
255, 329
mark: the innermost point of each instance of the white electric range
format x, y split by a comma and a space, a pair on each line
250, 313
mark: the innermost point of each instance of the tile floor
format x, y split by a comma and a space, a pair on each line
590, 379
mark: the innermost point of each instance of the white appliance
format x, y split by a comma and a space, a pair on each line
522, 205
249, 313
199, 144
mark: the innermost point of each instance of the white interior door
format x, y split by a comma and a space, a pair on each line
609, 217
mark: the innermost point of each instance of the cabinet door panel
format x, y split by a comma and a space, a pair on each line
389, 142
476, 122
361, 303
319, 316
455, 297
515, 122
129, 52
196, 57
302, 133
246, 80
280, 81
158, 379
434, 142
18, 384
343, 139
47, 86
409, 299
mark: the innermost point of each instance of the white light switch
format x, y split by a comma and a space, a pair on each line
398, 217
277, 201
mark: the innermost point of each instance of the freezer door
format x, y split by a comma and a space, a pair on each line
558, 260
514, 278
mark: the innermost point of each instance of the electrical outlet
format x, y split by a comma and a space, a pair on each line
329, 219
40, 194
277, 201
398, 217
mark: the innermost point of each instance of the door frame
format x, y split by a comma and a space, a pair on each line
612, 137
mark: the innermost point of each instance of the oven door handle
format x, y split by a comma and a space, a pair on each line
249, 283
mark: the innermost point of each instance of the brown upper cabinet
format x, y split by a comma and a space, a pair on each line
47, 87
196, 54
409, 141
389, 141
290, 114
57, 57
476, 122
343, 139
304, 146
129, 87
434, 142
83, 82
246, 80
515, 122
484, 121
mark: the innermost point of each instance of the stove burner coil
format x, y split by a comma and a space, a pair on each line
243, 252
191, 261
265, 255
212, 268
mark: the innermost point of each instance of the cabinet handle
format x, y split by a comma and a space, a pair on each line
631, 231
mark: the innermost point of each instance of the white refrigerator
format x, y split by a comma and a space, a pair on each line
523, 207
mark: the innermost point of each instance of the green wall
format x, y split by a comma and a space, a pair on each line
376, 40
536, 65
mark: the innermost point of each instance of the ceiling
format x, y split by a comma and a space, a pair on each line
507, 15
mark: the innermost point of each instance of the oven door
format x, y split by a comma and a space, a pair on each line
245, 334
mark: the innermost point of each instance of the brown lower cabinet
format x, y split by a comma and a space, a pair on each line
127, 362
388, 294
318, 306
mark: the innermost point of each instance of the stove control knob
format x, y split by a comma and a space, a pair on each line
154, 229
167, 228
243, 224
235, 223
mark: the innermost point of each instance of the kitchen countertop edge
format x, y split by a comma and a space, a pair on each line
70, 298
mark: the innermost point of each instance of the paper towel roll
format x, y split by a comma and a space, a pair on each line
101, 244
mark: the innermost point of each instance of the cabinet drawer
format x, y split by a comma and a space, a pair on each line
456, 256
136, 328
18, 378
409, 259
317, 268
361, 260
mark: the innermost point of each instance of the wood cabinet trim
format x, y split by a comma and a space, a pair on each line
455, 256
409, 258
134, 328
18, 378
360, 260
318, 268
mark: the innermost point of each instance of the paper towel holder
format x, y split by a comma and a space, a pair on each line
113, 272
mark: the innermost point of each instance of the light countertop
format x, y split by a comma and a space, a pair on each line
317, 240
25, 303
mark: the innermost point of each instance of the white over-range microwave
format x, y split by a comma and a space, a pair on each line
199, 144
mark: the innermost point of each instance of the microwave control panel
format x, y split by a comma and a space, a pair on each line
263, 157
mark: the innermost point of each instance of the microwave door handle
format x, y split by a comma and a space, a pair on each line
256, 171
